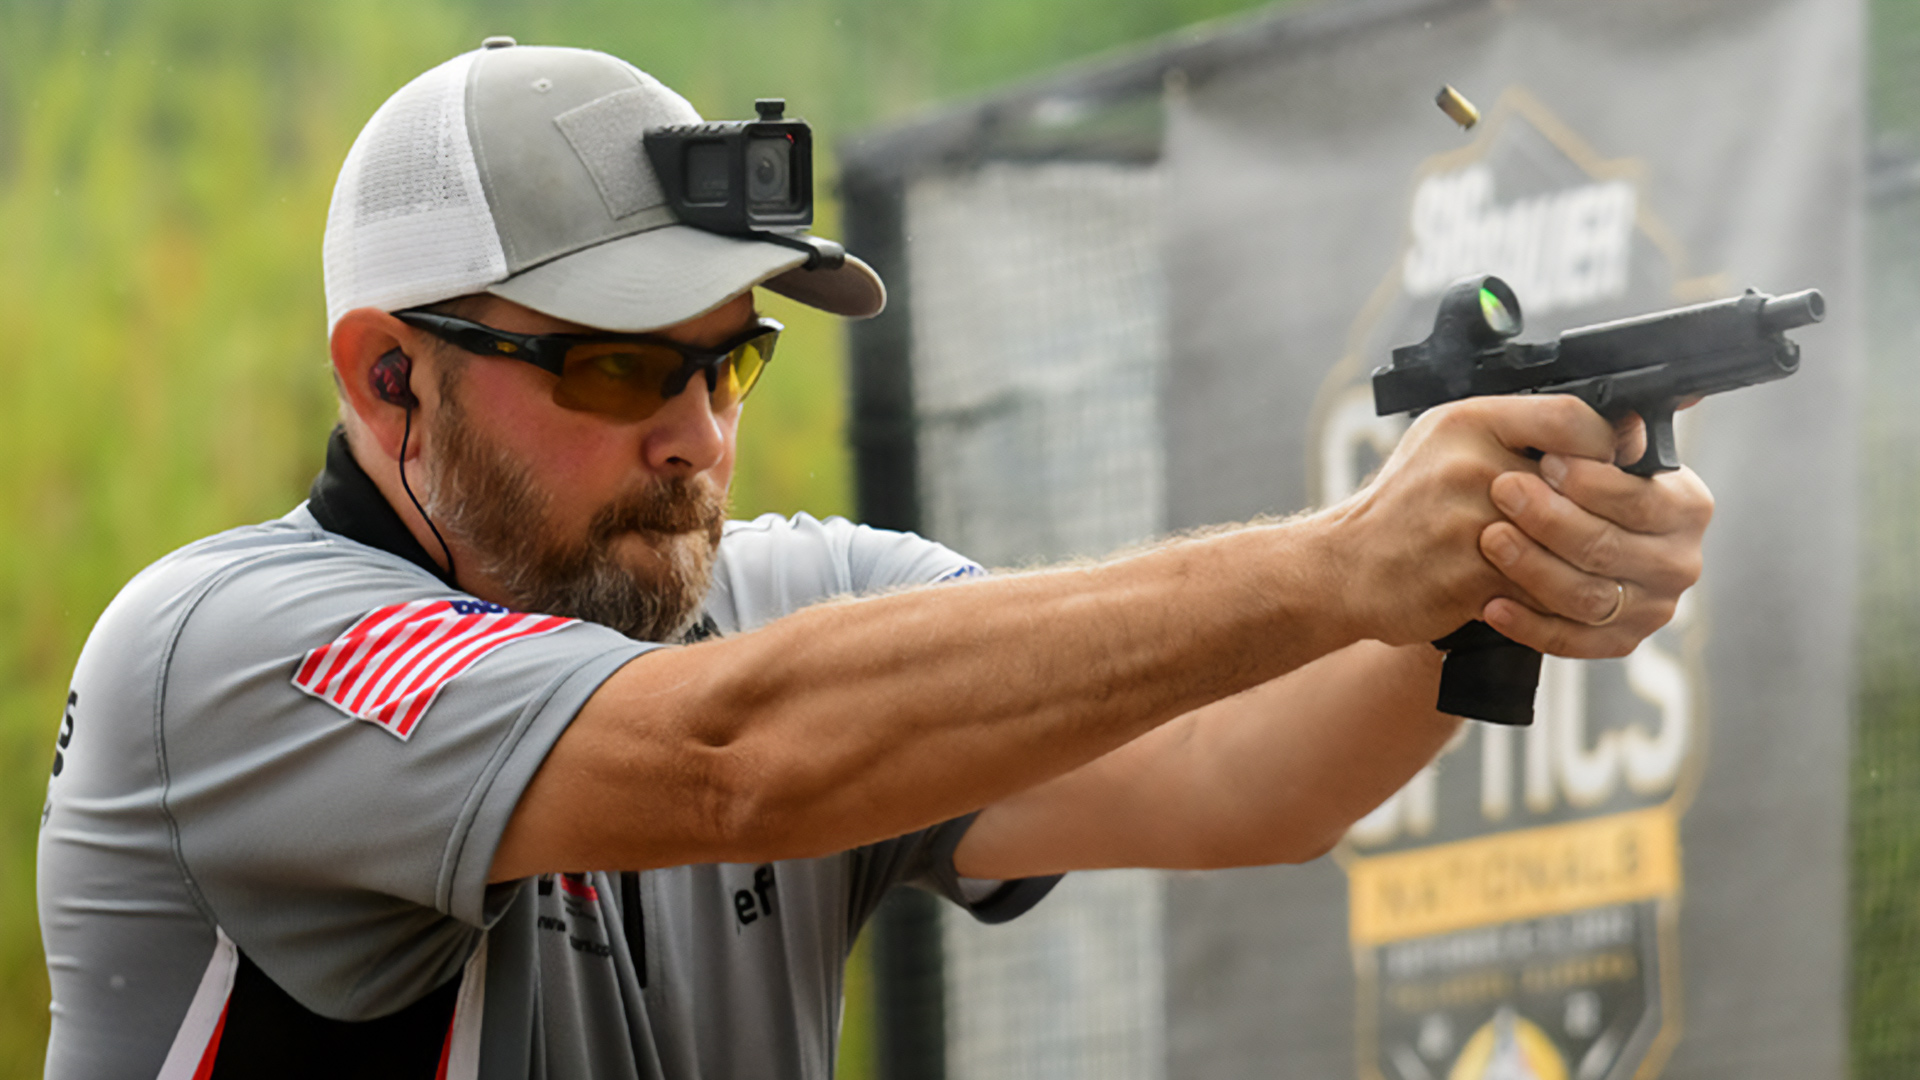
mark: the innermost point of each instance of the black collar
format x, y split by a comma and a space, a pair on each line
344, 500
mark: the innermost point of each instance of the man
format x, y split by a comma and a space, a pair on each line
406, 783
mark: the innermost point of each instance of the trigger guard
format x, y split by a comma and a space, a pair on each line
1662, 455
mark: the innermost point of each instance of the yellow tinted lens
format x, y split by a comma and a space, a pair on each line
742, 370
619, 379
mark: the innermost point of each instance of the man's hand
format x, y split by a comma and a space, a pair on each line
1463, 523
1601, 556
1278, 773
1409, 543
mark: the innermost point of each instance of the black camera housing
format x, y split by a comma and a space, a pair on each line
738, 177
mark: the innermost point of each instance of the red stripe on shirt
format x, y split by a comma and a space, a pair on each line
212, 1054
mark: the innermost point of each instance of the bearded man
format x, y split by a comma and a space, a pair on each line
504, 755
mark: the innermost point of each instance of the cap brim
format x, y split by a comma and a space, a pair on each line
674, 273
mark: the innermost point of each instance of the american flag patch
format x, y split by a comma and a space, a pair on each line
389, 667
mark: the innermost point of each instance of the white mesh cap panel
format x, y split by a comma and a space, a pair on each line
409, 223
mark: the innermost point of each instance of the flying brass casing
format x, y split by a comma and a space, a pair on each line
1455, 105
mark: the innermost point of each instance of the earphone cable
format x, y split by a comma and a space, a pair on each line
405, 434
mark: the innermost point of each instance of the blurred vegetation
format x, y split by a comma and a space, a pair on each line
165, 168
1886, 772
1893, 81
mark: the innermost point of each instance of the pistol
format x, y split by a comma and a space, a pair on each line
1647, 364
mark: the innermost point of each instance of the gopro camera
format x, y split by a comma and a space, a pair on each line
746, 178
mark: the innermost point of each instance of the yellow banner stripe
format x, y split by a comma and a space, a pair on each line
1515, 875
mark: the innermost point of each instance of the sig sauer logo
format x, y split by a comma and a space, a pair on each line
1512, 909
1558, 249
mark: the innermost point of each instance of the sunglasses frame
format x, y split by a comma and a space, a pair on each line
548, 352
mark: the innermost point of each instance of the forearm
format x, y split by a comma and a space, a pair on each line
1275, 774
856, 721
864, 720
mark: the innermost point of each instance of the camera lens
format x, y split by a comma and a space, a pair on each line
707, 173
768, 172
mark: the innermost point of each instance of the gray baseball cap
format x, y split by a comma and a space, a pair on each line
519, 171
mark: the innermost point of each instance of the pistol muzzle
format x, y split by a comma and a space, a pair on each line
1783, 313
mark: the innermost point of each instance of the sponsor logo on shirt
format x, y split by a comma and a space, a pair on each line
388, 668
750, 905
580, 923
66, 734
577, 885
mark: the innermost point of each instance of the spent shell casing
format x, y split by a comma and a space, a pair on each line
1455, 104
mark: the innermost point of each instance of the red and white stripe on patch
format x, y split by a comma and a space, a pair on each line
390, 666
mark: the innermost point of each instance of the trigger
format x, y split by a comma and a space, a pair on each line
1662, 455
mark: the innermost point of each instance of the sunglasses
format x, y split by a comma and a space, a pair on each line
626, 376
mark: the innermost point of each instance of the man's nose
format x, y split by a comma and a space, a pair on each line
685, 437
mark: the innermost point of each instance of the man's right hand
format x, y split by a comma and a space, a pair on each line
1459, 524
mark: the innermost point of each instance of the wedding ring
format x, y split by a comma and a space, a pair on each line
1619, 603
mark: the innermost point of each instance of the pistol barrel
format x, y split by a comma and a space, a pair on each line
1783, 313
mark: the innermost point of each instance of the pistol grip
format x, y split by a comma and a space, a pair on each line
1663, 454
1487, 676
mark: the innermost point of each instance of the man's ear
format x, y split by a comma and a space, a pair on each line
375, 372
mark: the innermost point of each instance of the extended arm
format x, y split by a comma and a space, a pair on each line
1278, 773
1273, 775
859, 721
852, 722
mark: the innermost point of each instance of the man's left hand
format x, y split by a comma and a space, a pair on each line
1601, 555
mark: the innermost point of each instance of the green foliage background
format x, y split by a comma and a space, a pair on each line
1886, 772
165, 167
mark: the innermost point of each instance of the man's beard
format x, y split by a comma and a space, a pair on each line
486, 499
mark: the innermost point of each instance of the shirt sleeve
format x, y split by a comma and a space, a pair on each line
773, 566
348, 862
924, 860
836, 556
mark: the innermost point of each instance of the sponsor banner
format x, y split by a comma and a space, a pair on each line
1597, 896
1559, 843
1548, 998
1151, 296
1515, 876
1533, 953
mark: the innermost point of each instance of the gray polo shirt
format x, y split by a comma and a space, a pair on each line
287, 760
